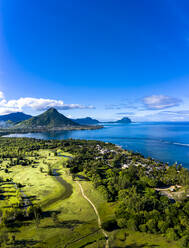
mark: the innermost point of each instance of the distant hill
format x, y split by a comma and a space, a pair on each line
49, 119
86, 121
14, 117
124, 120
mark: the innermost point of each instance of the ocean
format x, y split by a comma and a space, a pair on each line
163, 141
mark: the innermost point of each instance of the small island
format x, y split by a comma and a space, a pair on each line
124, 120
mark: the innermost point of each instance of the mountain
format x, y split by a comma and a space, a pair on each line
124, 120
86, 121
50, 119
14, 117
6, 124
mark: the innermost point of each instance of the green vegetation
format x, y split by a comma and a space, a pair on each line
41, 204
49, 120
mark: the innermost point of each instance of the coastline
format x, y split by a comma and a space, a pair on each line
42, 130
160, 142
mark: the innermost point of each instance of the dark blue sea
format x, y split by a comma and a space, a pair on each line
165, 141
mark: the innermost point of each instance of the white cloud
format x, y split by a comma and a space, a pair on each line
157, 102
5, 111
176, 112
1, 95
37, 104
125, 113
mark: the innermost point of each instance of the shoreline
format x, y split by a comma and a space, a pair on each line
160, 148
39, 130
118, 146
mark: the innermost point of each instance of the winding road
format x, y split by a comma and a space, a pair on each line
96, 212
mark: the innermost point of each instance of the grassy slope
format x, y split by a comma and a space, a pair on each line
34, 180
48, 119
76, 216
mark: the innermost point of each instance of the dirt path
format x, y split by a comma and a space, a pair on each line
96, 212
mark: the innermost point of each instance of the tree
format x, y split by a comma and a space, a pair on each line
162, 226
132, 224
171, 234
50, 170
143, 228
37, 215
122, 222
3, 237
73, 176
152, 227
13, 237
185, 241
55, 218
104, 192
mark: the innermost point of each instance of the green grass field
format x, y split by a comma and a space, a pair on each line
65, 220
75, 216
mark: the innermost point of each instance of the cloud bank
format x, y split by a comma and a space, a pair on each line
125, 113
37, 104
158, 102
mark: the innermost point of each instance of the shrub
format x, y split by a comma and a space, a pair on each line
171, 234
143, 228
151, 224
121, 222
19, 185
121, 235
185, 241
50, 171
132, 225
163, 225
103, 191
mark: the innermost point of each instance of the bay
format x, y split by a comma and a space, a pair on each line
165, 141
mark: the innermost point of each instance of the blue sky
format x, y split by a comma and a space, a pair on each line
105, 59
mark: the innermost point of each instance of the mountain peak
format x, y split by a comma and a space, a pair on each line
124, 120
51, 118
51, 110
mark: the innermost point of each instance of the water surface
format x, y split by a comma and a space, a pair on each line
167, 142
